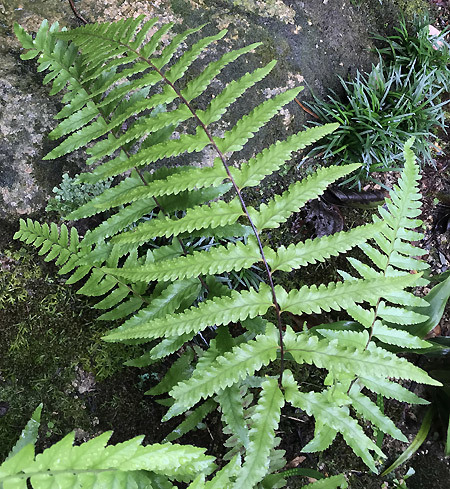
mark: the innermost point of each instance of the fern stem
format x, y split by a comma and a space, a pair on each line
241, 200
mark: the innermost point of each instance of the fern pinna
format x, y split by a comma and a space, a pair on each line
95, 465
124, 97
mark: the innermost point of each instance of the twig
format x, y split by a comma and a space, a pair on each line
77, 15
310, 112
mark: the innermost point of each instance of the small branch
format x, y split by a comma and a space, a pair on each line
77, 15
310, 112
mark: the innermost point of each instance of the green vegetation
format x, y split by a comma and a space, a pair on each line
50, 341
124, 100
398, 99
69, 196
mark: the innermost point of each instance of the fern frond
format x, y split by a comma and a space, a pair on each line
398, 337
262, 435
333, 482
341, 295
235, 256
215, 215
174, 184
337, 357
235, 89
225, 371
224, 310
324, 436
29, 434
180, 370
320, 249
120, 221
103, 202
337, 417
167, 302
272, 158
96, 465
50, 241
391, 390
370, 411
230, 401
278, 210
223, 477
192, 420
247, 126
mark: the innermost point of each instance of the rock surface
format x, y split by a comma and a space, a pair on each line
313, 40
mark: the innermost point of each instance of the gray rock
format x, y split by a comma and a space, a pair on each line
314, 41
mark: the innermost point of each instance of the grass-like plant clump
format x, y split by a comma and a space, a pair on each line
380, 110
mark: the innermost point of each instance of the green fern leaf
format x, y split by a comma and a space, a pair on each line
198, 85
223, 310
170, 345
230, 401
333, 482
397, 337
373, 361
262, 435
200, 217
119, 221
248, 125
29, 433
370, 411
282, 206
324, 436
102, 202
167, 302
194, 178
319, 249
192, 420
173, 46
179, 68
97, 465
235, 256
271, 159
390, 390
114, 298
78, 139
180, 370
123, 310
232, 92
399, 315
225, 371
222, 478
340, 295
316, 405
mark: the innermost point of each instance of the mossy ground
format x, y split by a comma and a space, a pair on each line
51, 351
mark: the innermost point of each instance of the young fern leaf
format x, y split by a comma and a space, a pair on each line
395, 256
230, 401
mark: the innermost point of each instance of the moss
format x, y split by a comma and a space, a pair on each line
51, 351
412, 7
